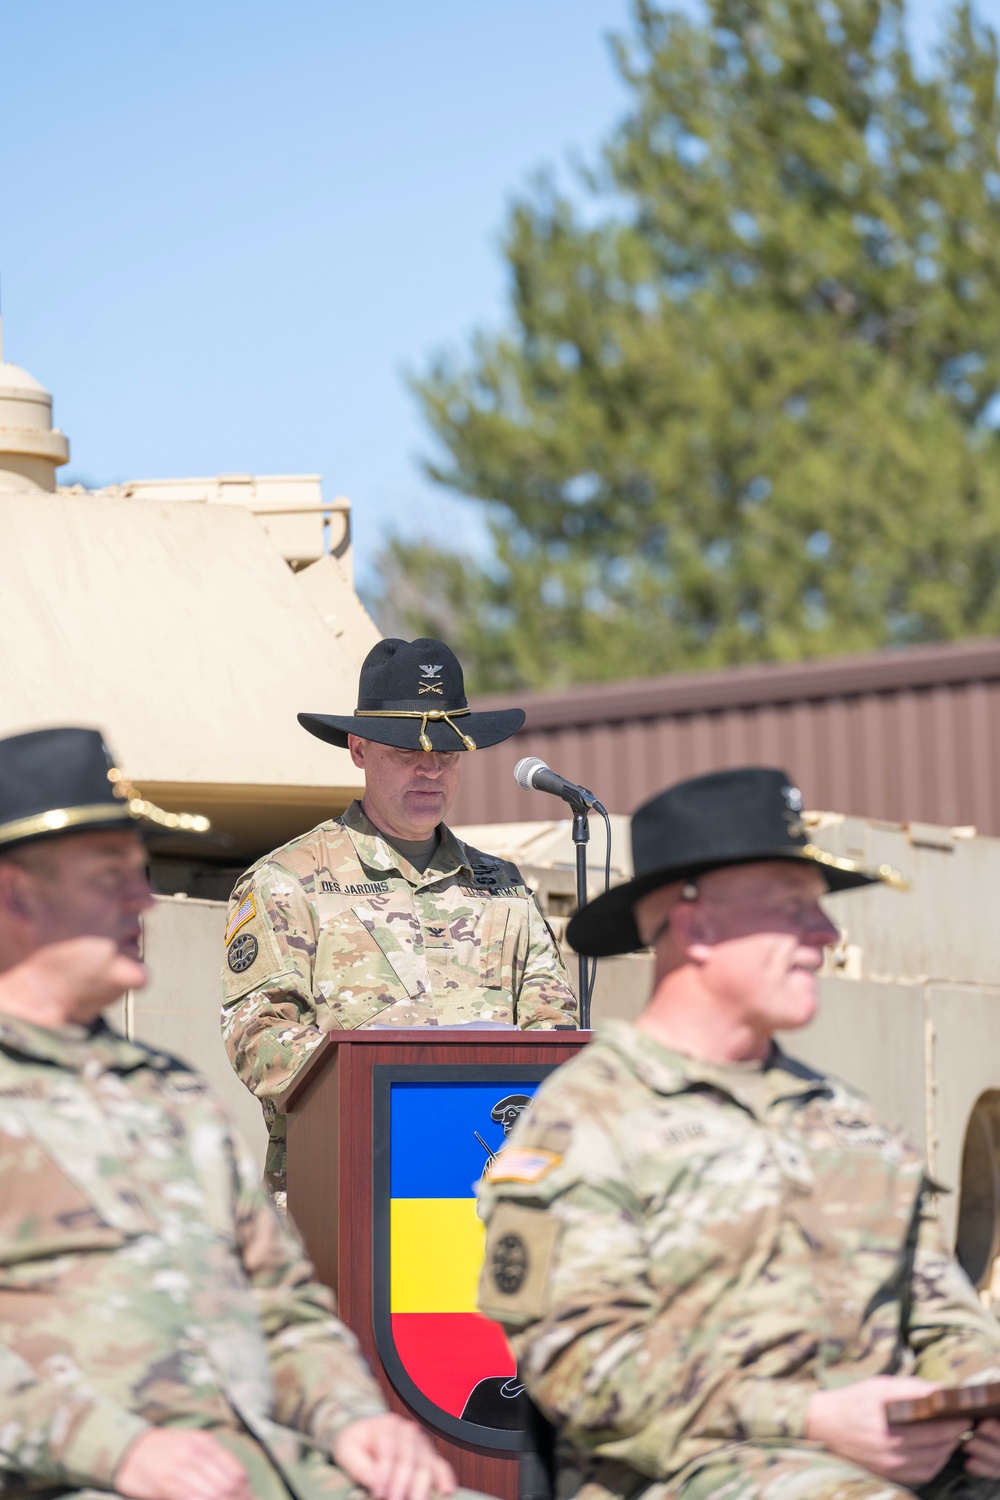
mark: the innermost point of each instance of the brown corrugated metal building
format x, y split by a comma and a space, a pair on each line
908, 735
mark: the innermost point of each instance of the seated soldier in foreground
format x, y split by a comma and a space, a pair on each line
717, 1266
161, 1333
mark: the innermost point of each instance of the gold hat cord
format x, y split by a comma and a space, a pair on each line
139, 807
435, 714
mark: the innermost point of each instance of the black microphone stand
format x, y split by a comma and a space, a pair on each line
533, 775
581, 838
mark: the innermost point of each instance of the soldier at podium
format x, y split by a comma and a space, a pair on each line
382, 917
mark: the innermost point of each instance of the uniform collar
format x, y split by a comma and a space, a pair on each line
75, 1048
754, 1085
376, 853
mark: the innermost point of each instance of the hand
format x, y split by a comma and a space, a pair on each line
170, 1464
982, 1450
69, 981
393, 1459
851, 1421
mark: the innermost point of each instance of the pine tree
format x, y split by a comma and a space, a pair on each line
748, 409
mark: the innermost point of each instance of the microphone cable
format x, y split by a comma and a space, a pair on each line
592, 974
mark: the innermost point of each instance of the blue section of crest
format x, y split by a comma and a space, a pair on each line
434, 1150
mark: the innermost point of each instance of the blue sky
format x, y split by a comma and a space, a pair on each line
228, 227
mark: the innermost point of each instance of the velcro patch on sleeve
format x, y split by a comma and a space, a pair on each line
253, 955
513, 1287
522, 1164
244, 913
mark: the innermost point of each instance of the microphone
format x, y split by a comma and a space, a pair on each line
533, 775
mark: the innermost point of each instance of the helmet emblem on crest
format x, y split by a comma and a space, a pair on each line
505, 1112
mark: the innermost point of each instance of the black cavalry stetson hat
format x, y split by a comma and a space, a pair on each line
59, 781
727, 818
412, 695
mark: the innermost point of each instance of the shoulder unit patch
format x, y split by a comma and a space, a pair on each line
513, 1285
242, 953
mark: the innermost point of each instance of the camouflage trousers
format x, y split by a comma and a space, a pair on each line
312, 1477
259, 1494
750, 1472
267, 1493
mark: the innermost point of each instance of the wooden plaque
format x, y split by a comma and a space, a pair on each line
966, 1402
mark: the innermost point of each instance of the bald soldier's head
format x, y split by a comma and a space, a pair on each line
737, 955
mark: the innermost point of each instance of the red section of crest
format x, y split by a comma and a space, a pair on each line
446, 1354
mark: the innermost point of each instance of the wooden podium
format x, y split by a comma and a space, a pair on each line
388, 1132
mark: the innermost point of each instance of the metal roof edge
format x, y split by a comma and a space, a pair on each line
948, 664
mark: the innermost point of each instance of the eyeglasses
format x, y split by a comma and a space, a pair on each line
791, 911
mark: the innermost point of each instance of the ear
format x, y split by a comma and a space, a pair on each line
15, 892
692, 930
356, 746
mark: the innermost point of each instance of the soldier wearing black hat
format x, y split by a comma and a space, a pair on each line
73, 835
161, 1333
716, 1266
383, 917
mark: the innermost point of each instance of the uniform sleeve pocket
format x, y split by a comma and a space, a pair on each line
514, 1282
253, 956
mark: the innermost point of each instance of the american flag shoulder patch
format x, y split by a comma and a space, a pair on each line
239, 918
518, 1164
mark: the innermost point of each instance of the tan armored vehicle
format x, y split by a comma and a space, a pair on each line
190, 619
193, 618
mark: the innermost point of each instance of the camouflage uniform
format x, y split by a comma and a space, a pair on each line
145, 1280
336, 930
682, 1253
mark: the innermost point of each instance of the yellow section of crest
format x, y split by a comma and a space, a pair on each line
436, 1254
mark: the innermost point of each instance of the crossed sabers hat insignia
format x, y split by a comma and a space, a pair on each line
431, 687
